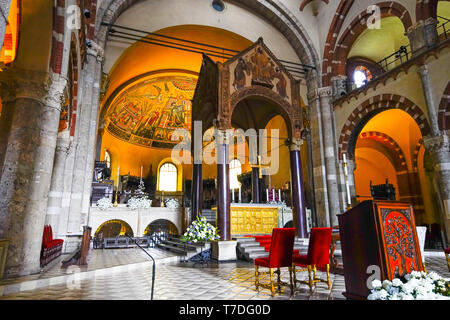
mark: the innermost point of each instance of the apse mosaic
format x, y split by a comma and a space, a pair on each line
149, 112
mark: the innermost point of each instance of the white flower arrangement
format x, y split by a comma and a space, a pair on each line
172, 203
140, 202
104, 203
415, 286
200, 230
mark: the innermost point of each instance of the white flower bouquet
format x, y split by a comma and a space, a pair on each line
199, 231
104, 203
172, 203
140, 202
413, 286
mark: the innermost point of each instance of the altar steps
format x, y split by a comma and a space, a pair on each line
249, 249
174, 244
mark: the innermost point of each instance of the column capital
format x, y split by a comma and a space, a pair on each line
440, 143
296, 144
95, 50
43, 87
423, 70
325, 92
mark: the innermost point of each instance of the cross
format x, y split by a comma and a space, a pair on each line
260, 166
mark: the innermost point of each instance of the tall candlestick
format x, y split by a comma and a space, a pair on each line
267, 194
273, 195
141, 173
240, 196
118, 176
232, 195
279, 195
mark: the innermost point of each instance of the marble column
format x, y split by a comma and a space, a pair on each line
298, 190
28, 165
223, 187
57, 183
328, 132
256, 193
351, 167
197, 191
438, 148
5, 125
432, 108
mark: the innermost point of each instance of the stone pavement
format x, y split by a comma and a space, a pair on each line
189, 281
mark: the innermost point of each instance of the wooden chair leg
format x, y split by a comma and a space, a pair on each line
256, 278
279, 279
290, 281
295, 275
328, 277
272, 289
310, 279
448, 261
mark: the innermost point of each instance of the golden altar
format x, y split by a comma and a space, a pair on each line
246, 219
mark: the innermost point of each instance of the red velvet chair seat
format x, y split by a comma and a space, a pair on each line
262, 262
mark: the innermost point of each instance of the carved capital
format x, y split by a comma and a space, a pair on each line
423, 70
436, 144
296, 144
96, 51
325, 92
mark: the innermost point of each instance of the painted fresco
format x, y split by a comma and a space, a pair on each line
256, 67
148, 112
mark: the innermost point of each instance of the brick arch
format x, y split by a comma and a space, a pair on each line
58, 36
358, 25
415, 158
444, 110
330, 44
426, 9
368, 109
395, 152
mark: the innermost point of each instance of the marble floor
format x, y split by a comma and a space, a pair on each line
189, 281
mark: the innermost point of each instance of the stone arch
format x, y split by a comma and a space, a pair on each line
287, 111
415, 158
358, 25
444, 110
171, 227
275, 14
369, 108
97, 228
426, 9
394, 150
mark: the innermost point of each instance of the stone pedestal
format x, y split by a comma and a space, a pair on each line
224, 250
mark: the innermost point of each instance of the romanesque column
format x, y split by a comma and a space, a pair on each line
85, 144
298, 190
438, 148
57, 184
28, 164
223, 186
351, 167
429, 99
325, 95
4, 8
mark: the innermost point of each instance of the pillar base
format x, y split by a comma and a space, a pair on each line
224, 250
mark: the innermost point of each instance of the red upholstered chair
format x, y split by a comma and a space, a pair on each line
318, 256
280, 256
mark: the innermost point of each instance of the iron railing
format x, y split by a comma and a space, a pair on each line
402, 55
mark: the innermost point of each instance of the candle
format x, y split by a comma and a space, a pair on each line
273, 195
118, 176
141, 173
232, 195
240, 197
279, 195
267, 194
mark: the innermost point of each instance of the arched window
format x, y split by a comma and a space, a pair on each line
361, 76
235, 170
107, 159
168, 177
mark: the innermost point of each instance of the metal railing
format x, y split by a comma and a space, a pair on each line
402, 55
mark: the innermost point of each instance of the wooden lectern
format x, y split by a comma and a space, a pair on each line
377, 233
